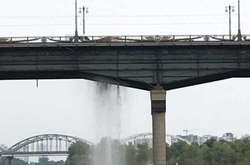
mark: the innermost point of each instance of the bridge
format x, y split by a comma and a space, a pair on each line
1, 149
134, 61
148, 137
153, 63
43, 145
58, 145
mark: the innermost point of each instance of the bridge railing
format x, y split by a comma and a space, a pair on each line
123, 39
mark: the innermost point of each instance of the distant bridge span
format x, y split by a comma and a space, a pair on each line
45, 145
147, 138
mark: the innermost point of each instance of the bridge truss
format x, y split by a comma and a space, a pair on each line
43, 145
147, 138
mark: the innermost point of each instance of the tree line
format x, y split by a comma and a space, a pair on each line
109, 152
41, 161
212, 152
112, 152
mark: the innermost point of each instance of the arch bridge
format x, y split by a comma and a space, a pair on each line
43, 145
1, 149
148, 137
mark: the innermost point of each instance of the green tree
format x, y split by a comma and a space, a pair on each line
79, 154
219, 153
175, 152
130, 156
192, 155
142, 154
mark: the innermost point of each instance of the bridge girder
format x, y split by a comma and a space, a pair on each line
140, 66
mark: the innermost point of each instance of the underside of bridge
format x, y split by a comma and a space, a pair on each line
138, 66
153, 67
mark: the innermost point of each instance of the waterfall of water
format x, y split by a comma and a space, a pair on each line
108, 125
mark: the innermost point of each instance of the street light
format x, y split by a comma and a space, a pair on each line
239, 28
76, 28
230, 9
84, 10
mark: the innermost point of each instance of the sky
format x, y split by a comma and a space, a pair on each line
76, 107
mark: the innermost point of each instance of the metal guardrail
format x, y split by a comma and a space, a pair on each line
123, 39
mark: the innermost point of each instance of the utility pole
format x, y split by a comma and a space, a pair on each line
230, 9
239, 28
83, 20
84, 11
76, 23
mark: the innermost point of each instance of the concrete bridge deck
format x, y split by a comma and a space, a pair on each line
154, 63
134, 61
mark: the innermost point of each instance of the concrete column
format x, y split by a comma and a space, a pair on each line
158, 107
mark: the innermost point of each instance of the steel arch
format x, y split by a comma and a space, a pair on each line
45, 137
149, 136
1, 149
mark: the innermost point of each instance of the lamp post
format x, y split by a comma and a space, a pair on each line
84, 10
239, 28
230, 9
83, 20
76, 27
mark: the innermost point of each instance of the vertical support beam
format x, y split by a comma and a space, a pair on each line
158, 108
51, 144
37, 146
10, 159
32, 147
66, 144
47, 144
60, 144
56, 143
41, 146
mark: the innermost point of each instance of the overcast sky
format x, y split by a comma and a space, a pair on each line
75, 107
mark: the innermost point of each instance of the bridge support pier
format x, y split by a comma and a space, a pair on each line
158, 109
